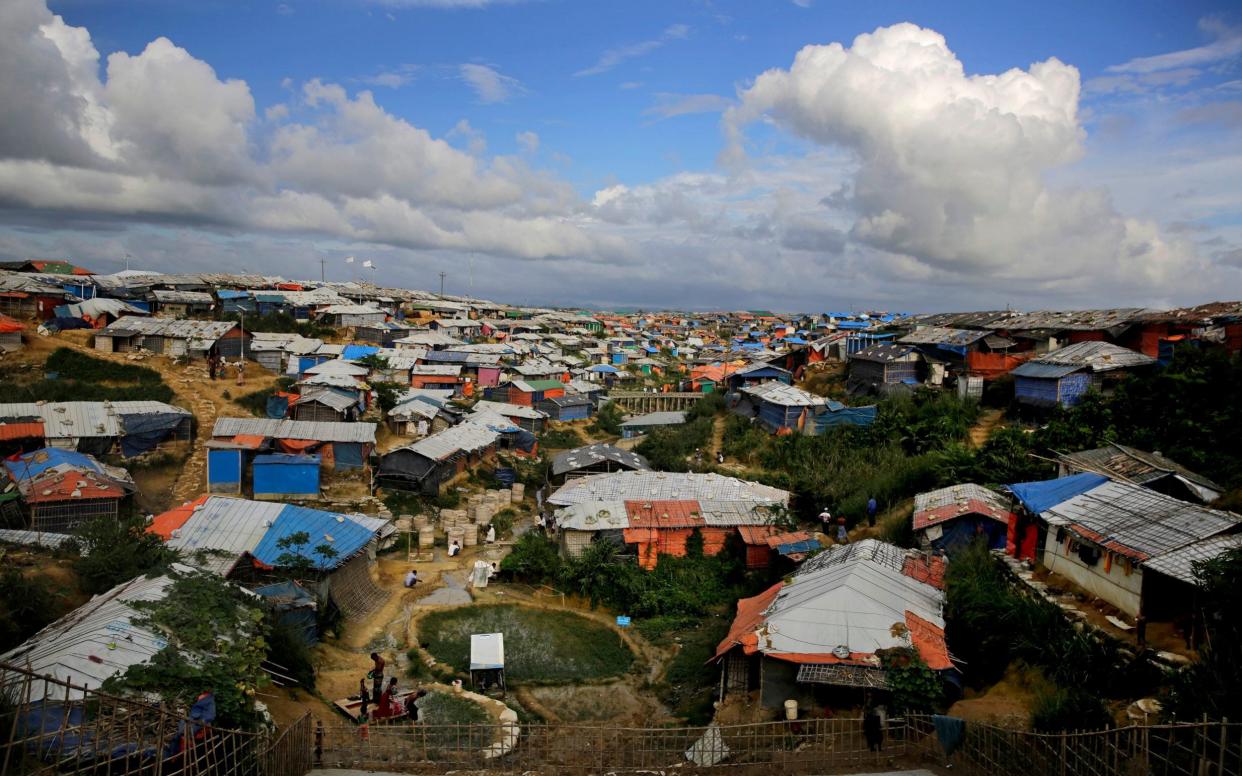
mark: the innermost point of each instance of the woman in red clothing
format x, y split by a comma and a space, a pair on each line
388, 706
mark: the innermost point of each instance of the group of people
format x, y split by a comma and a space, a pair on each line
216, 365
841, 535
381, 701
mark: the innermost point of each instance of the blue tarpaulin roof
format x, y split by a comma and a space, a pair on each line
355, 352
795, 340
853, 325
33, 464
802, 546
605, 368
346, 536
226, 294
1043, 495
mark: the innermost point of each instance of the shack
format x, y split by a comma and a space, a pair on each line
285, 477
1063, 377
571, 406
63, 489
880, 368
340, 446
427, 464
949, 519
593, 459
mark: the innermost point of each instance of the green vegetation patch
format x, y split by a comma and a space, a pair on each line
689, 686
561, 439
81, 377
540, 645
451, 723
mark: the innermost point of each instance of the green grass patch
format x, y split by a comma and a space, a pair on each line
540, 646
80, 366
561, 439
470, 730
689, 686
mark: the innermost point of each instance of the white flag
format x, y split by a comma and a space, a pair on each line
349, 259
368, 264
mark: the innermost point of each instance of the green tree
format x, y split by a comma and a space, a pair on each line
117, 550
1212, 685
608, 420
534, 559
217, 641
26, 605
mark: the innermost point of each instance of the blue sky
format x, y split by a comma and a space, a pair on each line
621, 153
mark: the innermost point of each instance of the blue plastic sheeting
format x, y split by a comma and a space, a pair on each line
141, 304
348, 455
227, 294
807, 545
223, 468
347, 538
847, 416
506, 476
144, 431
795, 341
1042, 495
605, 368
295, 607
355, 352
287, 475
277, 406
33, 464
526, 441
62, 323
958, 534
853, 325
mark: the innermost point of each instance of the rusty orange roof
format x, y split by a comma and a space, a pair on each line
70, 486
163, 525
757, 534
21, 430
928, 569
749, 618
664, 514
928, 639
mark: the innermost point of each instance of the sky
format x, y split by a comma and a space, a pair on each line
797, 155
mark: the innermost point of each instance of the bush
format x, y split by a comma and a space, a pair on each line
711, 405
287, 649
667, 449
26, 605
120, 550
534, 559
80, 366
281, 323
689, 686
1063, 710
560, 439
607, 420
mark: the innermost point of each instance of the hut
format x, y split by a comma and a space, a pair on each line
645, 423
949, 519
282, 477
879, 368
1063, 377
63, 489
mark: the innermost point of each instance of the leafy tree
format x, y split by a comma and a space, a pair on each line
26, 605
387, 394
1213, 684
295, 560
534, 558
915, 687
119, 550
1069, 708
608, 420
216, 643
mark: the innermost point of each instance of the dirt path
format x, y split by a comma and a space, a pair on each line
989, 421
718, 430
191, 384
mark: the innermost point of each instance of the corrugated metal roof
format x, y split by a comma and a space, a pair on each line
35, 538
173, 328
1132, 465
76, 419
340, 532
1136, 522
509, 410
724, 514
1041, 371
329, 397
94, 642
955, 501
338, 366
670, 418
625, 486
295, 429
593, 516
1179, 563
882, 354
166, 296
776, 392
582, 457
229, 525
936, 335
1097, 356
464, 437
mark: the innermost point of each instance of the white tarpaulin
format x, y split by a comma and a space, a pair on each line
487, 651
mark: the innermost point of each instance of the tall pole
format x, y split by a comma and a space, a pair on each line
442, 284
322, 271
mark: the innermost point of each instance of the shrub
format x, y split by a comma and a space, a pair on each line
560, 439
1066, 709
534, 559
120, 550
86, 368
26, 605
607, 420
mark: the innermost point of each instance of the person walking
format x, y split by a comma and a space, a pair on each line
872, 508
843, 536
825, 518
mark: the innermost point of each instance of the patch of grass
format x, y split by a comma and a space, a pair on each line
540, 645
689, 686
441, 708
80, 366
561, 439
